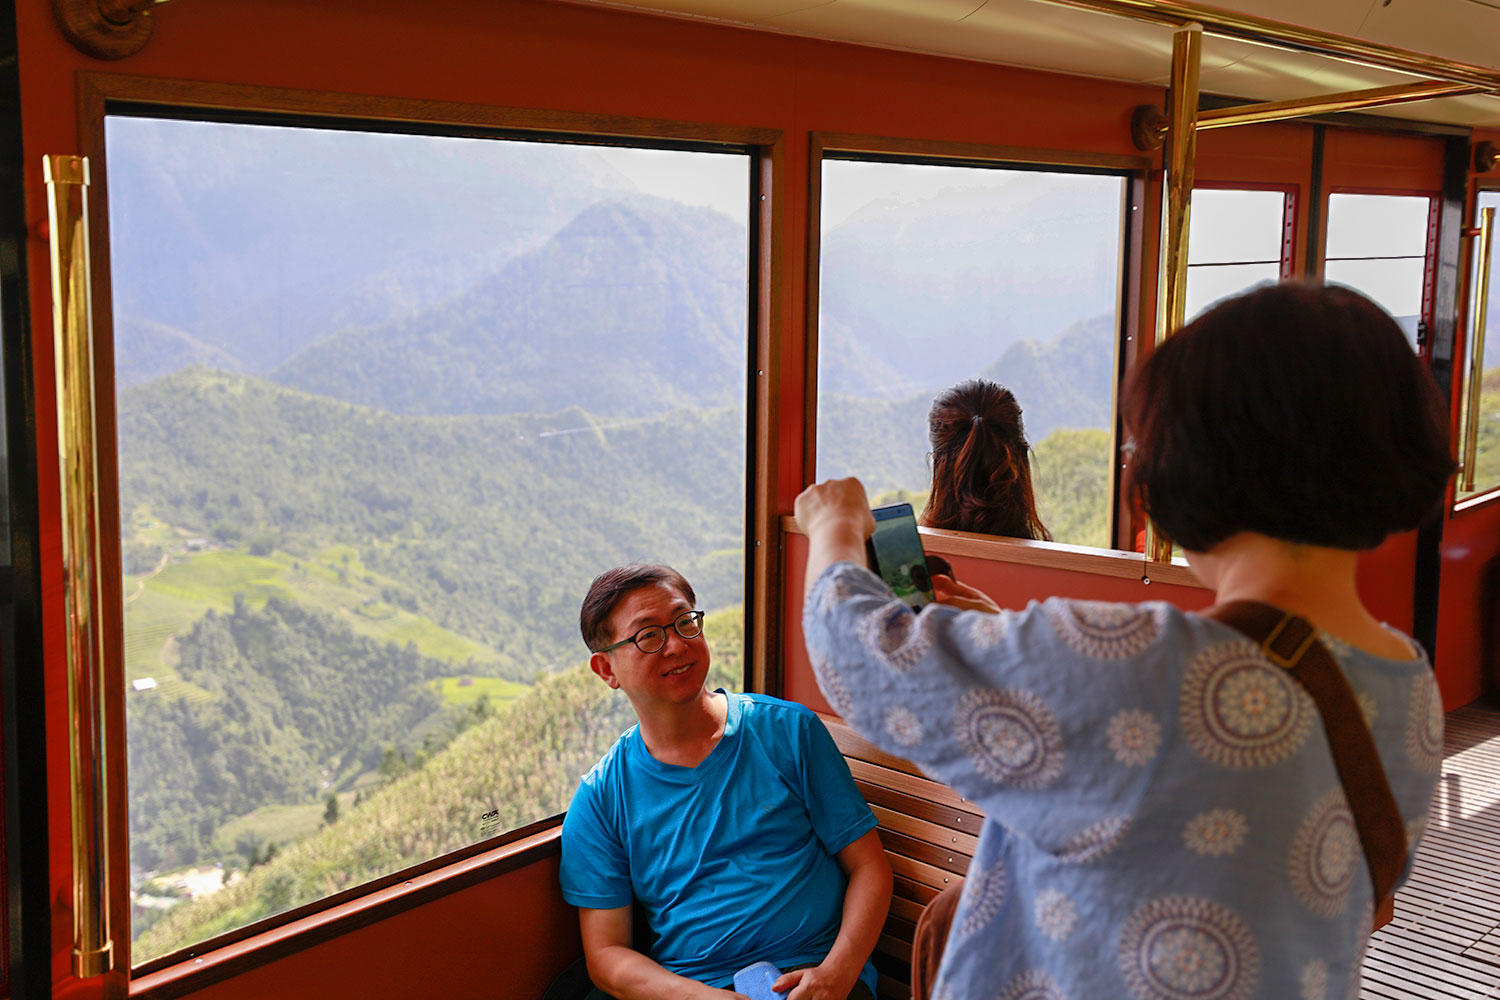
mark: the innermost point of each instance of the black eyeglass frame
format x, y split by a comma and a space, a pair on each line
696, 616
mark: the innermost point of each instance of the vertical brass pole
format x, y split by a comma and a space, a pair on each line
1176, 200
1476, 347
72, 328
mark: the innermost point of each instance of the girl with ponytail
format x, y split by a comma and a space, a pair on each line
981, 473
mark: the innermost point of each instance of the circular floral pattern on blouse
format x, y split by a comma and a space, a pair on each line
1012, 737
1216, 832
988, 631
1032, 985
904, 726
1325, 855
832, 685
1103, 630
1238, 710
1424, 726
1314, 980
983, 893
1180, 948
1055, 914
1094, 841
894, 633
1133, 736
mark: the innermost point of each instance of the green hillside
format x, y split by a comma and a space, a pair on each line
294, 704
482, 525
523, 764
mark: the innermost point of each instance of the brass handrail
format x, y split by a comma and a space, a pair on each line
67, 179
1249, 28
1476, 348
1149, 128
1176, 210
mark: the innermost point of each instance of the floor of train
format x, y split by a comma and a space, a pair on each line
1444, 942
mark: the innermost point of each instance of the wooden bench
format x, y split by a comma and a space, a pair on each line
929, 832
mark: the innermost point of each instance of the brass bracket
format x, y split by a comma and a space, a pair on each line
1486, 156
105, 29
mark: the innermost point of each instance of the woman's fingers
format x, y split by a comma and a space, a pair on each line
954, 594
834, 501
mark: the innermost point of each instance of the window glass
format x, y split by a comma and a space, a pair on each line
1377, 225
387, 403
933, 274
1487, 453
1377, 245
1235, 241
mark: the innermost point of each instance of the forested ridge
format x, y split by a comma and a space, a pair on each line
296, 702
482, 519
520, 765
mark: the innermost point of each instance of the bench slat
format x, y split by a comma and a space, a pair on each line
923, 788
851, 744
926, 874
933, 833
923, 809
920, 850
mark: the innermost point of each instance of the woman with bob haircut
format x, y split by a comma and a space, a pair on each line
981, 472
1174, 823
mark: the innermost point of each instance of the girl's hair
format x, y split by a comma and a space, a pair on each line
981, 472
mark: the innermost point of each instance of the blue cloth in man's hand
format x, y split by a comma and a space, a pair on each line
754, 981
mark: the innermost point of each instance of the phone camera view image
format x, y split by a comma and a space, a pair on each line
895, 551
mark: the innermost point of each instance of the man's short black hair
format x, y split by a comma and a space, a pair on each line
1297, 411
613, 584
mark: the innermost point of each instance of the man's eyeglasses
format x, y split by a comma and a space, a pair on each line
653, 637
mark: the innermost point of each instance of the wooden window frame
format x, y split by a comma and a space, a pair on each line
102, 94
1132, 171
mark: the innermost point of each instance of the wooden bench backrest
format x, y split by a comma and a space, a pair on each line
929, 832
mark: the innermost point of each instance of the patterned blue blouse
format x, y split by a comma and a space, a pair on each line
1164, 817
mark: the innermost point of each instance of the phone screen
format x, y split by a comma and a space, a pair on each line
895, 551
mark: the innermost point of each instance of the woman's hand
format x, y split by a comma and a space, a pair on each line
835, 504
957, 595
836, 516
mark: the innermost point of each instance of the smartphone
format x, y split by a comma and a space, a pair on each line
895, 554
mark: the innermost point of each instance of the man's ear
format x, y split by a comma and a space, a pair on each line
599, 663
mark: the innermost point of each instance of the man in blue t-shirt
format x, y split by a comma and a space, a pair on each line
730, 818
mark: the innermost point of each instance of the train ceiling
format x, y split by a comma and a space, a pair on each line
1042, 36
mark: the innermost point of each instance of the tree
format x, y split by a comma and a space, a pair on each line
331, 811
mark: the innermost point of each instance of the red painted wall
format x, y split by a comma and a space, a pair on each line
529, 53
506, 938
1468, 660
521, 53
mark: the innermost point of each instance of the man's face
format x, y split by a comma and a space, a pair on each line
673, 674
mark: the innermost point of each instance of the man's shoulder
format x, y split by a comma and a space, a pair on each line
612, 765
763, 709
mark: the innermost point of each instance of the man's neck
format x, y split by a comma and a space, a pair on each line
684, 734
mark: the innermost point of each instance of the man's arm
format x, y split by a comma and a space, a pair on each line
866, 903
624, 973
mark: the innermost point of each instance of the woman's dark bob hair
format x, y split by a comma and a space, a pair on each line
1296, 411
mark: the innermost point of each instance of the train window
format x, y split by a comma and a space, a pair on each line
386, 403
1377, 244
931, 274
1487, 452
1236, 240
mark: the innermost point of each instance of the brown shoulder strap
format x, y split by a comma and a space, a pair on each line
1292, 642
